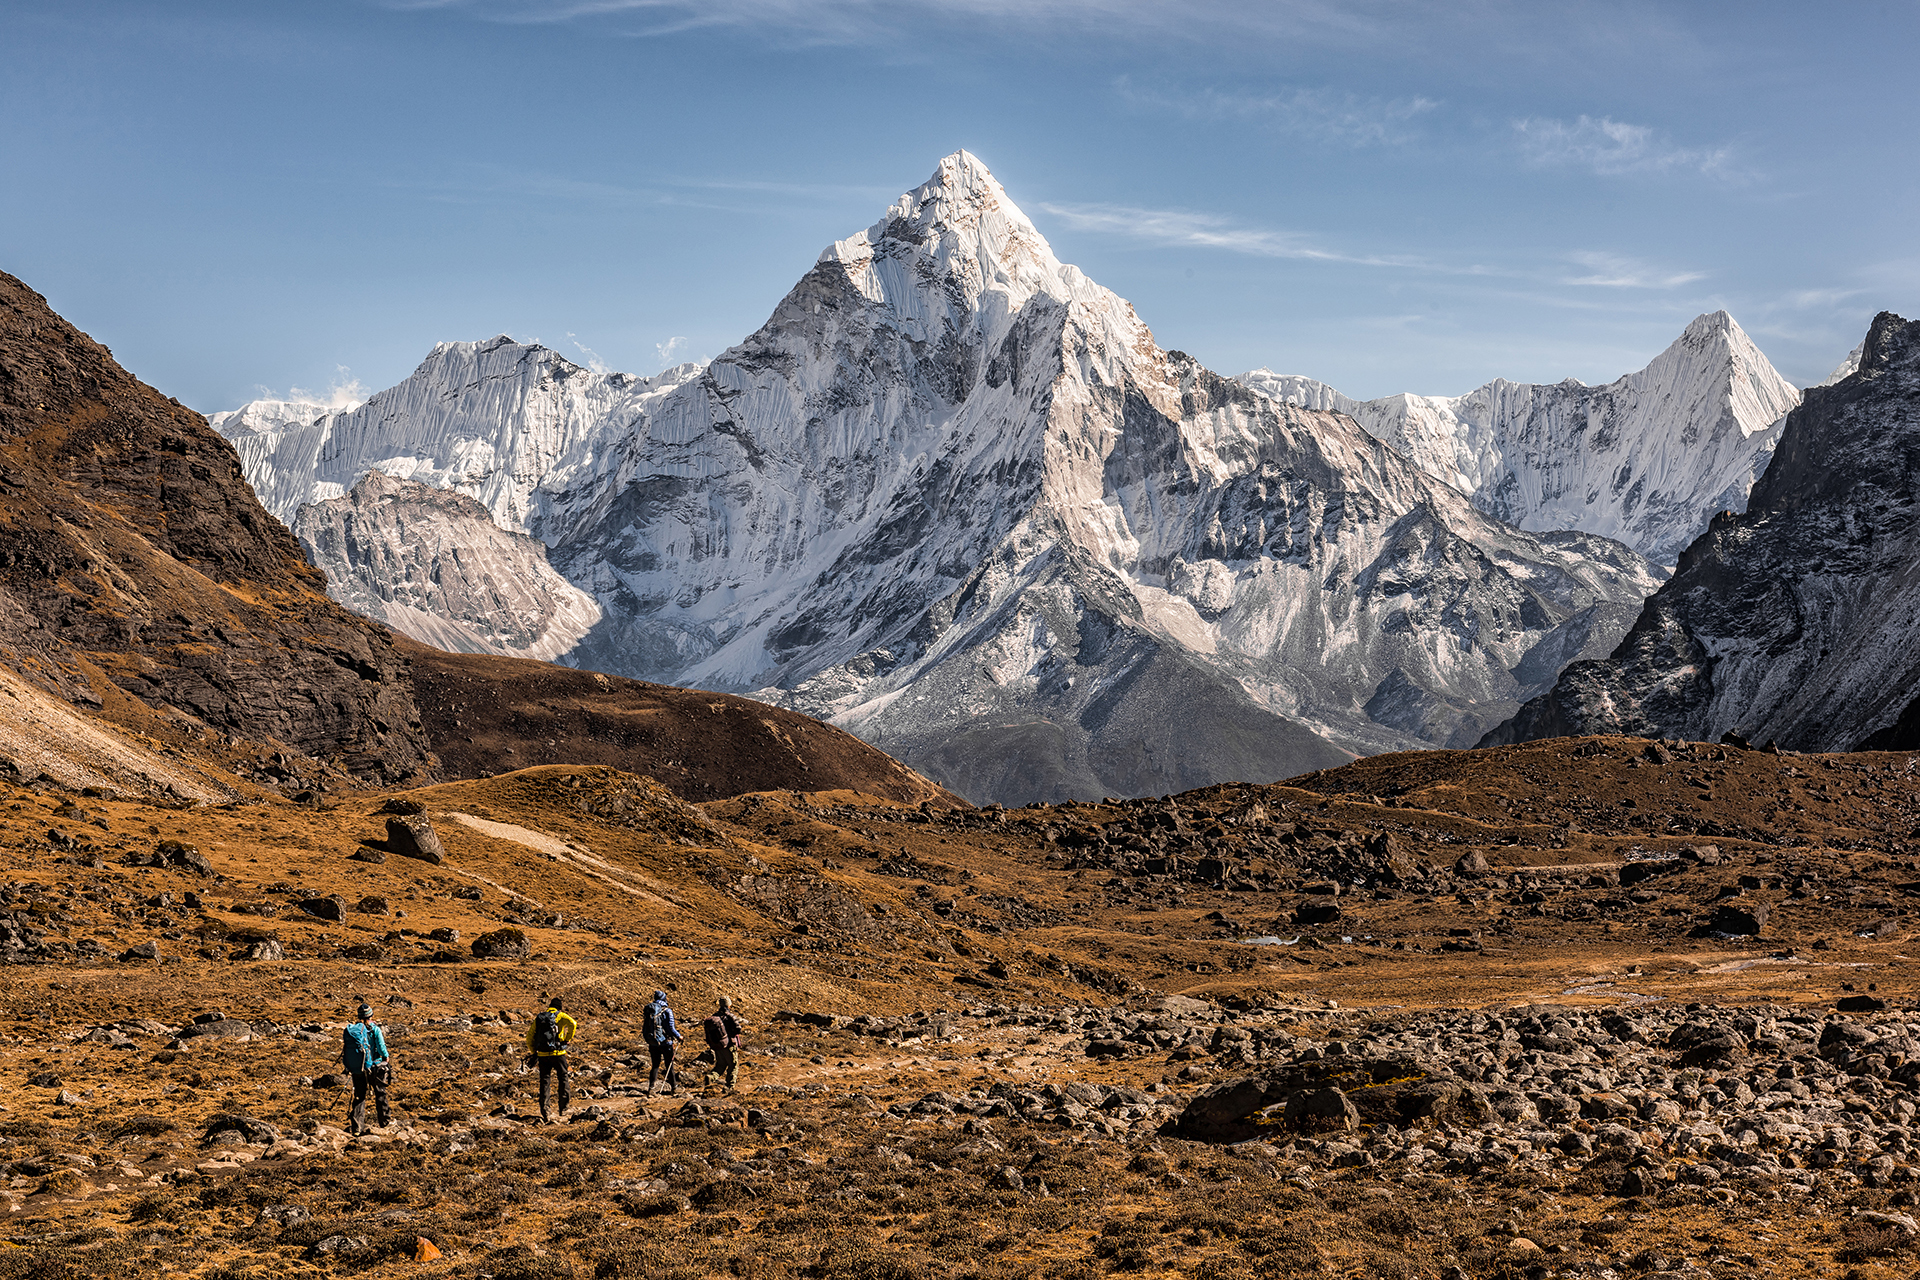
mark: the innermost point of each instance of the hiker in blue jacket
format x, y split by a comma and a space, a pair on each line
363, 1051
663, 1037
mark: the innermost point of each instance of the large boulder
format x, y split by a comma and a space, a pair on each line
333, 907
502, 944
1397, 1090
1325, 1110
414, 837
1740, 919
1703, 1044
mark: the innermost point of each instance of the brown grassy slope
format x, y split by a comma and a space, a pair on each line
483, 715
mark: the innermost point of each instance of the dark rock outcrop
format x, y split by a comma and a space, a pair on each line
138, 571
1793, 623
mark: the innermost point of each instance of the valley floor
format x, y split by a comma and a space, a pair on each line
1497, 1009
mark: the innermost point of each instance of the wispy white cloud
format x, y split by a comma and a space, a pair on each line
1332, 116
1183, 228
1613, 147
594, 362
666, 351
1186, 229
874, 21
1613, 271
345, 392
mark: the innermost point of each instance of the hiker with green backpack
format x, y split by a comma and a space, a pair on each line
547, 1038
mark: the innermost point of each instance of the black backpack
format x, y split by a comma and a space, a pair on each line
651, 1024
546, 1032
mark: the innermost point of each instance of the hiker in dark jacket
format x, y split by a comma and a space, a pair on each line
723, 1037
363, 1052
663, 1037
547, 1038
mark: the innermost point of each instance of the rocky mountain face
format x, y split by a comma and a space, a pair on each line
953, 496
138, 562
1795, 621
1647, 459
431, 563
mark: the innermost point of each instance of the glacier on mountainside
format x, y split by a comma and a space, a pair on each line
953, 496
1647, 459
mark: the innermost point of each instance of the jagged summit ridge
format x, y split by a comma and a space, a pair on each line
1648, 458
953, 495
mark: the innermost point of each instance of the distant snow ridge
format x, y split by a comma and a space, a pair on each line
1648, 459
953, 496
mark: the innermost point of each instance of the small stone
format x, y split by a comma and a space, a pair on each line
1473, 865
424, 1249
367, 853
141, 951
1006, 1178
267, 949
66, 1098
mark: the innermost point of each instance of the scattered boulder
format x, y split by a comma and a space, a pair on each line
1739, 919
414, 837
1311, 913
1473, 865
338, 1245
1703, 1044
220, 1028
141, 951
502, 944
1006, 1178
232, 1126
172, 853
332, 907
368, 853
1321, 1111
265, 949
372, 905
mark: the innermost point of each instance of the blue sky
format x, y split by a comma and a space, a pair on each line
257, 195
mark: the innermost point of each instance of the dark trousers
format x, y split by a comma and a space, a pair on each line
726, 1065
376, 1080
662, 1055
554, 1065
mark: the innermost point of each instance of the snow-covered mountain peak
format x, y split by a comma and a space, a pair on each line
1647, 458
957, 252
258, 416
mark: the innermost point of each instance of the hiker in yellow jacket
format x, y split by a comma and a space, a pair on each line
547, 1039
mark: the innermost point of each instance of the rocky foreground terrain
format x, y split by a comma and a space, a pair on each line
1588, 1007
